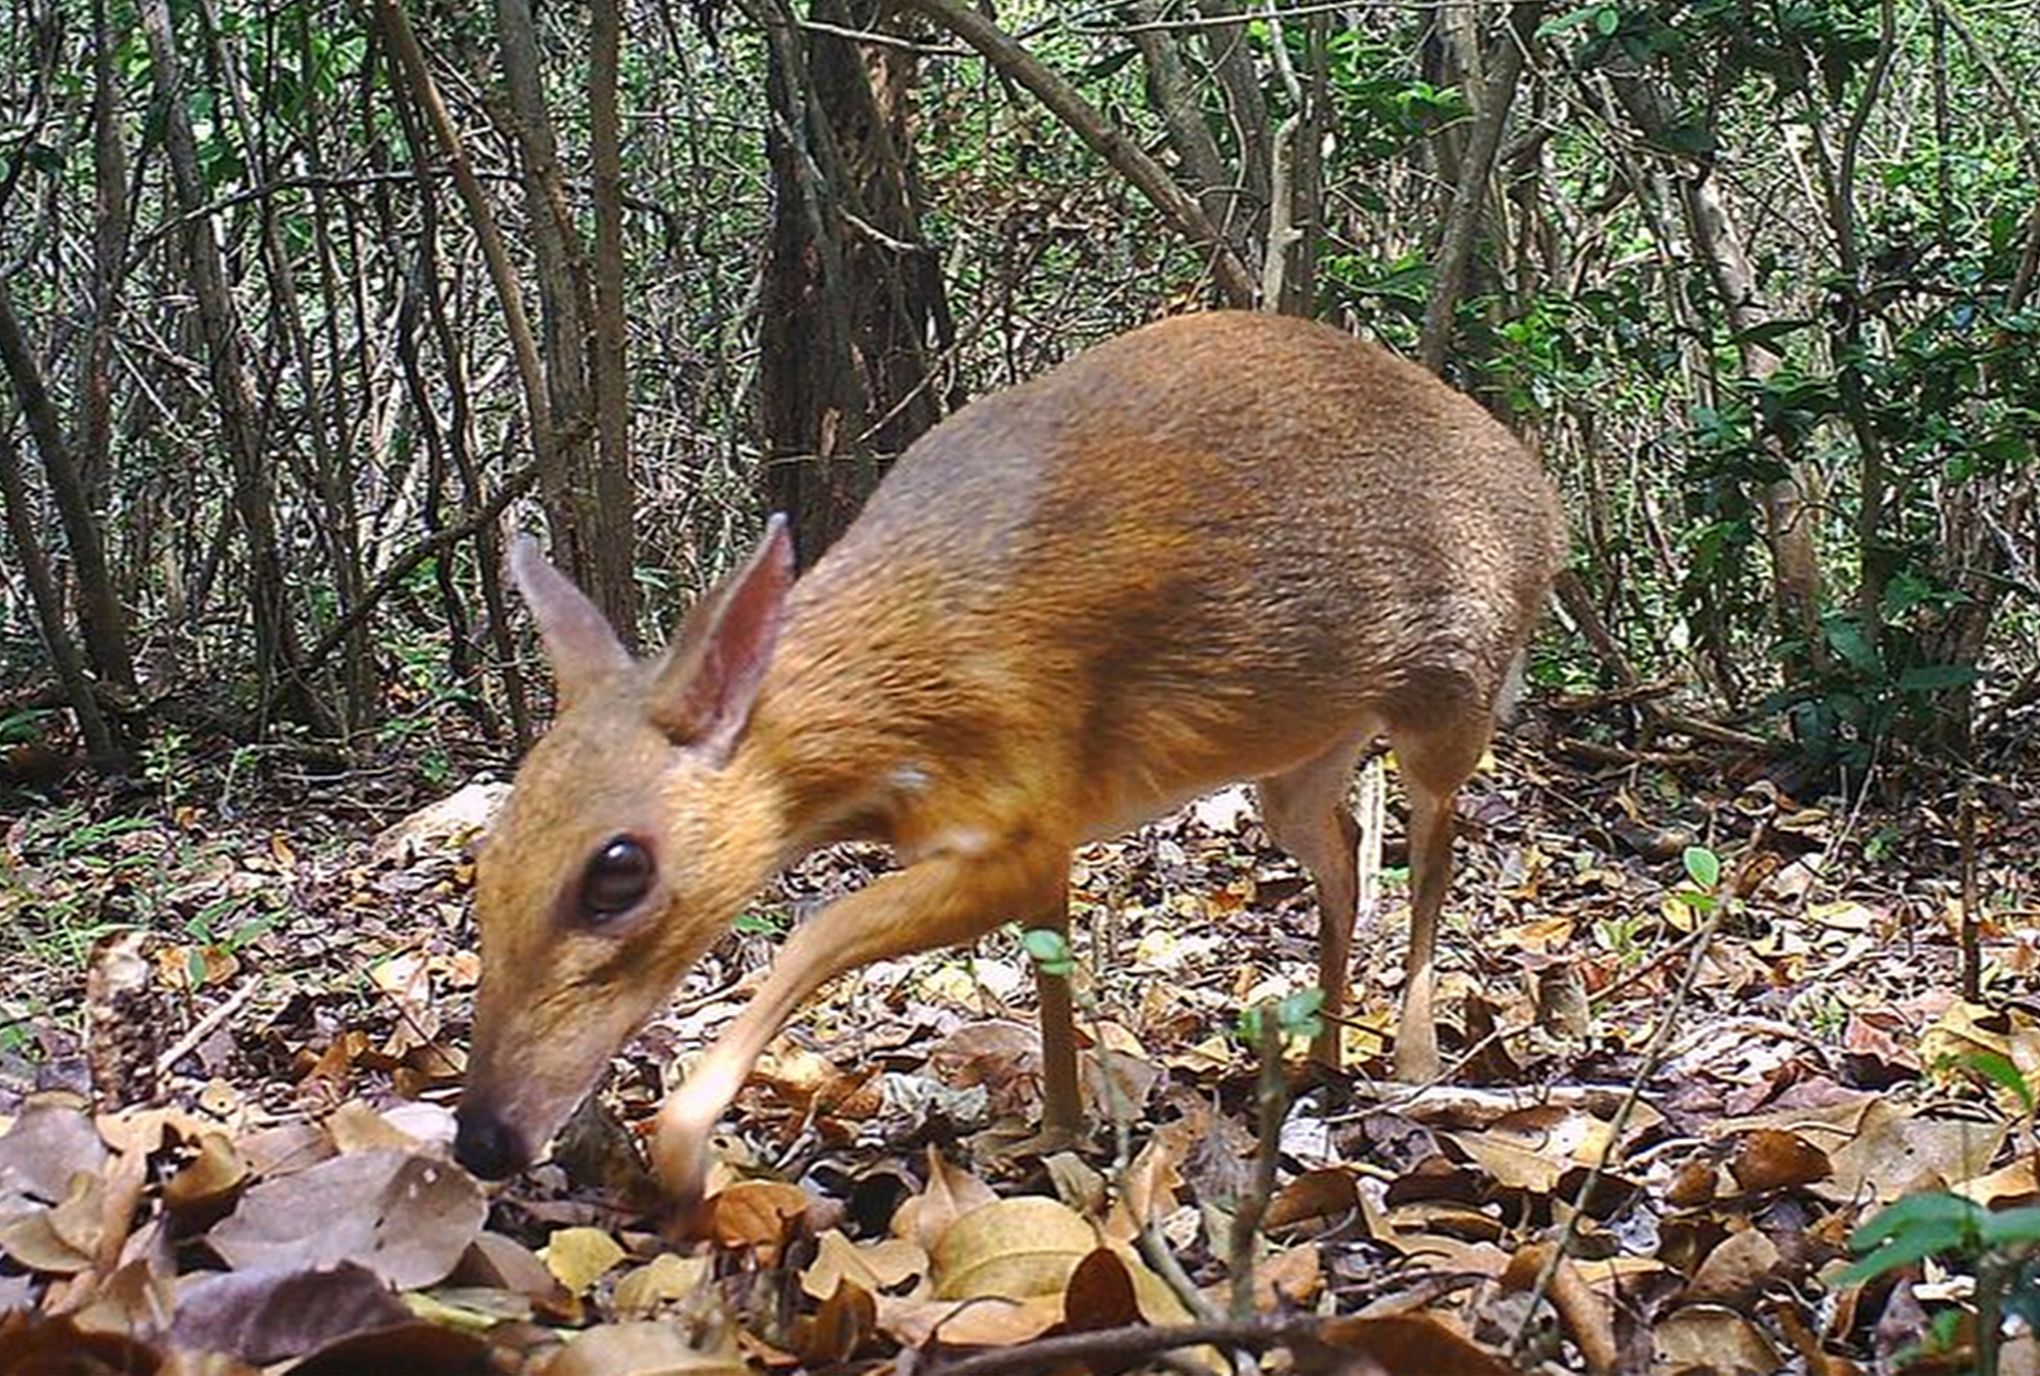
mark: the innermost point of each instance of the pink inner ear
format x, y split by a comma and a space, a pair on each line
579, 643
706, 694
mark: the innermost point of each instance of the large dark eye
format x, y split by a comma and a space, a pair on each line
617, 877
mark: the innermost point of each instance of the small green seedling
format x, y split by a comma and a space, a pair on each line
1049, 949
1295, 1016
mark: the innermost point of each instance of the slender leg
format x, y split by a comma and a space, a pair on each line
943, 900
1434, 765
1062, 1107
1306, 814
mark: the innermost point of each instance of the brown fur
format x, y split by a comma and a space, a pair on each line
1222, 547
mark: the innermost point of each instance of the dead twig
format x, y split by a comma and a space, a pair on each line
207, 1025
1132, 1341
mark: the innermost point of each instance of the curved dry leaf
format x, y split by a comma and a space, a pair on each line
1710, 1338
879, 1267
1895, 1153
987, 1322
1291, 1276
50, 1142
757, 1213
1412, 1345
846, 1321
952, 1192
1736, 1270
640, 1349
415, 1348
1773, 1159
209, 1180
1100, 1293
666, 1279
1318, 1199
36, 1245
1015, 1249
406, 1218
578, 1257
269, 1315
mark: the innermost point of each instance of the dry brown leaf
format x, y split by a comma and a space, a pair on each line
1773, 1159
952, 1192
269, 1315
1412, 1345
354, 1126
1291, 1277
846, 1321
666, 1279
209, 1180
1316, 1200
1736, 1271
1707, 1338
578, 1257
1099, 1294
967, 1323
1896, 1153
407, 1218
879, 1267
641, 1349
1015, 1249
760, 1214
52, 1140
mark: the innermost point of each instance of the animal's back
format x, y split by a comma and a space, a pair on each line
1190, 550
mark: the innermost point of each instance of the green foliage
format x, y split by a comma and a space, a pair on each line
1295, 1015
1049, 949
1946, 1226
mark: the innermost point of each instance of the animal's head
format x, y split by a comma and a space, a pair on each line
627, 844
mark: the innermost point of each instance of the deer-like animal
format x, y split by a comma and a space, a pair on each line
1221, 547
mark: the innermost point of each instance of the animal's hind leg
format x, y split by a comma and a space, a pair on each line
1306, 814
1434, 760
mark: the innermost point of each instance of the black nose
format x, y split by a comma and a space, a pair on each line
487, 1145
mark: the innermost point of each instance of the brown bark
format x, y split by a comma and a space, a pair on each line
49, 605
1469, 195
567, 480
851, 294
103, 621
615, 494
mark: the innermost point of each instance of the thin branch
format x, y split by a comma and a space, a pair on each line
1121, 153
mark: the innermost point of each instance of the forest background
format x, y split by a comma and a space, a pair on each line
301, 301
305, 305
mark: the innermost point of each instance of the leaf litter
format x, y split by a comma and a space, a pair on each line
226, 1132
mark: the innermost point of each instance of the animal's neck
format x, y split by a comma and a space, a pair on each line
843, 710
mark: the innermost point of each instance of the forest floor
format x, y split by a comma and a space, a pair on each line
236, 1005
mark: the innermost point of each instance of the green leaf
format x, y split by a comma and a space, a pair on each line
1925, 1210
1934, 678
2012, 1227
1703, 866
1297, 1014
2000, 1071
1049, 949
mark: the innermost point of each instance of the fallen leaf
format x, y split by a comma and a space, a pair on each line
406, 1218
266, 1315
578, 1257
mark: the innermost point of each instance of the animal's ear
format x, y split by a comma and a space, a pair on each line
578, 640
712, 674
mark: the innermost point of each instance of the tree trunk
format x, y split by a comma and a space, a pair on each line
49, 605
851, 294
104, 622
615, 492
1788, 525
1469, 195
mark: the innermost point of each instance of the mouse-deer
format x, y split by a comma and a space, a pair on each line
1225, 546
